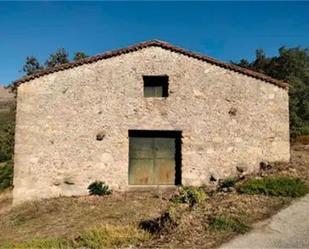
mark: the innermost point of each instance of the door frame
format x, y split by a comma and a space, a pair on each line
161, 133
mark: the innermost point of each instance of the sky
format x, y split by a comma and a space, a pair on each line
223, 30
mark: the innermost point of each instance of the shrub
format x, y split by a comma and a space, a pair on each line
228, 182
109, 236
190, 195
304, 130
228, 224
275, 186
99, 188
6, 175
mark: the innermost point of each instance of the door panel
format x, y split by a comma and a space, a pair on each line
164, 147
141, 147
164, 171
152, 160
141, 172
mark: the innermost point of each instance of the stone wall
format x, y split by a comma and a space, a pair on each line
227, 119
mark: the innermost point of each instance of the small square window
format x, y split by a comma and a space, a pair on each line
155, 86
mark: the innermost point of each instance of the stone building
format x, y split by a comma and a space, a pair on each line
149, 114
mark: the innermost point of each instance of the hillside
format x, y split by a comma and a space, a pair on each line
7, 117
6, 98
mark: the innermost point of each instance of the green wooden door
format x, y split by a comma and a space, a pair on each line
152, 161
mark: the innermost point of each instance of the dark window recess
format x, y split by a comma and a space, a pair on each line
156, 86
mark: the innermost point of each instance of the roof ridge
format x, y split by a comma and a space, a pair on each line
150, 43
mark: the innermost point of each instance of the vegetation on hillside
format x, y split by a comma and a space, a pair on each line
7, 129
61, 56
292, 66
6, 175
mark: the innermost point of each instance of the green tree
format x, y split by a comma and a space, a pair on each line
79, 56
292, 66
57, 58
32, 65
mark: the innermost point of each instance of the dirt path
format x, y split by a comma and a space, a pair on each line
287, 229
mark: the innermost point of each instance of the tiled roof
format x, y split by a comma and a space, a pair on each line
152, 43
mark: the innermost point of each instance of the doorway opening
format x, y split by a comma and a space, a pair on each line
154, 157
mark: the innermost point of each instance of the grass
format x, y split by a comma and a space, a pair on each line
110, 236
228, 224
275, 186
38, 244
104, 236
66, 217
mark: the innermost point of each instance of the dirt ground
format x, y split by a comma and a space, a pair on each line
65, 217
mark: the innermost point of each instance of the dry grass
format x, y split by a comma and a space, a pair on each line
38, 244
66, 217
103, 236
299, 165
5, 201
62, 220
194, 229
110, 236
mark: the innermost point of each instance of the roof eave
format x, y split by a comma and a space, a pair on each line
146, 44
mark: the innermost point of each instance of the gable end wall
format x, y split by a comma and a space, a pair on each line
60, 114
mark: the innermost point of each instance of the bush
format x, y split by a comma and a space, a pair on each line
228, 224
275, 186
228, 182
99, 188
6, 175
304, 130
190, 195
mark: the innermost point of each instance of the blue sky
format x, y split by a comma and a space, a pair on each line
224, 30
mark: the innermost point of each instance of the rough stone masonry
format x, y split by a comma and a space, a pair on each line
228, 119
